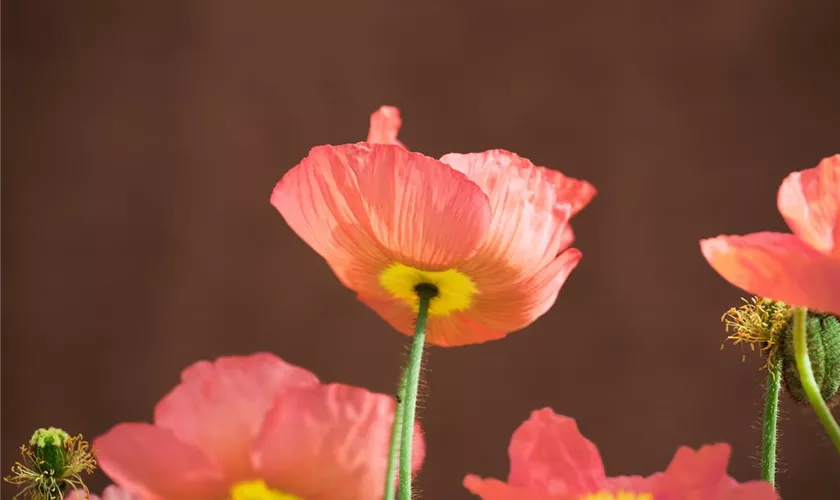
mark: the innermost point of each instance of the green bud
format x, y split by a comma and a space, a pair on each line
823, 335
49, 449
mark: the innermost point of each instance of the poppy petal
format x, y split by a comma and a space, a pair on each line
424, 213
508, 301
531, 206
220, 406
385, 125
153, 463
320, 200
329, 443
810, 203
548, 454
777, 266
358, 201
493, 489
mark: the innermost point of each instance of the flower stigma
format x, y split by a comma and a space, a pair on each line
759, 321
451, 290
257, 490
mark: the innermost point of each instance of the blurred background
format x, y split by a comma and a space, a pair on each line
141, 142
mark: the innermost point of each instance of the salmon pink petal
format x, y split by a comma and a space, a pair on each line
321, 202
777, 266
385, 124
356, 202
457, 329
219, 407
548, 454
153, 463
493, 489
329, 443
531, 206
508, 300
810, 203
424, 213
702, 474
110, 493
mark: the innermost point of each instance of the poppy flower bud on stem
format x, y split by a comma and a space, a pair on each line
823, 340
820, 335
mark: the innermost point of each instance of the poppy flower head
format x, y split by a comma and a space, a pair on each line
255, 428
486, 235
799, 269
550, 460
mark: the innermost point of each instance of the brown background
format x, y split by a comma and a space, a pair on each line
142, 139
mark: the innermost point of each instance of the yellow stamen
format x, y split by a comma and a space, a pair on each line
455, 289
758, 321
619, 495
257, 490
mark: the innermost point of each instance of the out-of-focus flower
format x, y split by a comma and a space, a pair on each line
255, 428
800, 269
110, 493
551, 459
53, 462
488, 232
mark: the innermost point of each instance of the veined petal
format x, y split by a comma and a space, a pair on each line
321, 202
548, 454
810, 203
385, 125
424, 213
153, 463
777, 266
219, 407
531, 206
362, 201
329, 443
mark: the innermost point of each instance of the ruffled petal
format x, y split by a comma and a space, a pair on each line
385, 124
702, 474
329, 443
810, 203
110, 493
359, 202
777, 266
548, 454
424, 213
153, 463
493, 489
531, 207
219, 407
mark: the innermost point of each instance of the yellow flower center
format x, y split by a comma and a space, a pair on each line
455, 289
619, 495
257, 490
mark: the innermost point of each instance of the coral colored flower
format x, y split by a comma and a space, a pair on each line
800, 269
489, 231
550, 459
110, 493
255, 428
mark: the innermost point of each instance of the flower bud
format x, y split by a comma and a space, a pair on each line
823, 336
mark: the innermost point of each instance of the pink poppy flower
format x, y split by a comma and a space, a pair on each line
489, 231
551, 459
255, 428
800, 269
110, 493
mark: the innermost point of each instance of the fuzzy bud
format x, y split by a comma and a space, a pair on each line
823, 335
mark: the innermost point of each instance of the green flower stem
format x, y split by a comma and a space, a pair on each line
806, 375
393, 452
412, 380
769, 426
